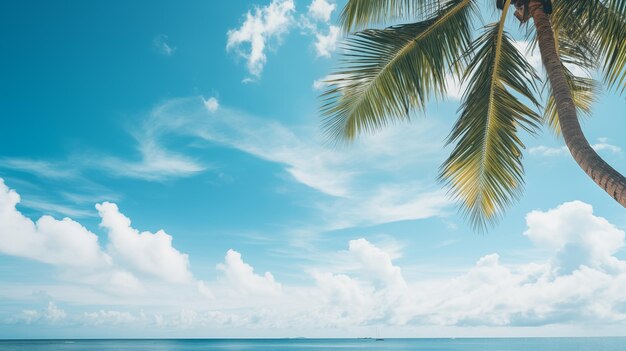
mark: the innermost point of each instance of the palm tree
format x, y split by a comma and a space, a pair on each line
386, 74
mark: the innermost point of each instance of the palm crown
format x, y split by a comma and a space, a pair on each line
385, 74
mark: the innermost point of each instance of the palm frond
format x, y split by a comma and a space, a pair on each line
485, 169
387, 73
612, 38
359, 14
604, 23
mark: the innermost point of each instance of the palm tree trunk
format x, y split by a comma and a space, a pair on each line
601, 172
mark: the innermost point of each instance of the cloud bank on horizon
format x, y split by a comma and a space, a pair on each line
581, 282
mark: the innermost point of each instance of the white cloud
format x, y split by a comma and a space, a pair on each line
78, 255
144, 252
388, 203
108, 317
543, 150
161, 44
342, 300
240, 277
533, 57
266, 26
156, 163
50, 207
259, 28
320, 84
57, 242
454, 88
344, 172
377, 264
577, 236
51, 314
321, 10
326, 44
211, 104
580, 282
531, 53
40, 168
601, 145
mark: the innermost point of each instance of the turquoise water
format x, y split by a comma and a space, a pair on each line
500, 344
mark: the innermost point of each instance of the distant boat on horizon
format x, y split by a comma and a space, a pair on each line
378, 338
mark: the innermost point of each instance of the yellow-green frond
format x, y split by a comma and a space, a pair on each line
387, 73
484, 170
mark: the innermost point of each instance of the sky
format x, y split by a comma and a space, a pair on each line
163, 174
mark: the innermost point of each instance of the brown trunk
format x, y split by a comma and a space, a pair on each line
602, 173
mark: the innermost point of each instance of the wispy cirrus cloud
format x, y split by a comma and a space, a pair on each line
161, 43
369, 183
45, 169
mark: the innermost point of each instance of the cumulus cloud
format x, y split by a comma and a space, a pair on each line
241, 278
261, 26
51, 314
265, 27
57, 242
108, 317
144, 252
580, 281
578, 237
377, 264
321, 10
325, 44
77, 252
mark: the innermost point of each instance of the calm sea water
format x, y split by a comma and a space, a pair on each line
517, 344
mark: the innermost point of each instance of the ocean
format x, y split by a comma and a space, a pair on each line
461, 344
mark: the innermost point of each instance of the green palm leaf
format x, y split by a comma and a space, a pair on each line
602, 22
484, 169
612, 38
359, 14
389, 72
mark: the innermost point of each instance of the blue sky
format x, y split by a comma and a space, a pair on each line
163, 174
